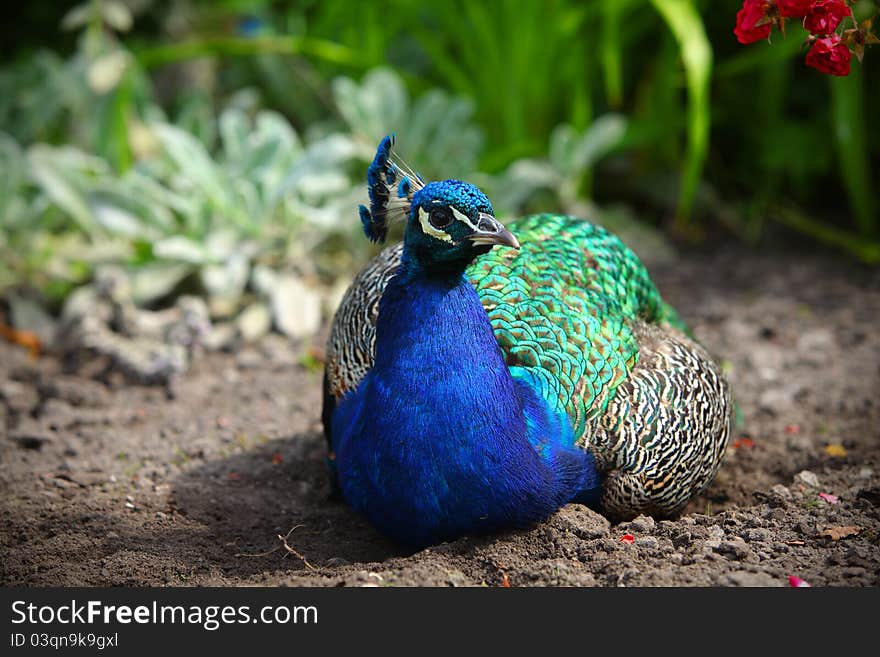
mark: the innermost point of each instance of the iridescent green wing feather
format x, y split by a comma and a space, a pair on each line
562, 309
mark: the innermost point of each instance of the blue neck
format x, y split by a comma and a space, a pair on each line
440, 439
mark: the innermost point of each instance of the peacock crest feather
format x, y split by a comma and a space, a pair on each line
391, 186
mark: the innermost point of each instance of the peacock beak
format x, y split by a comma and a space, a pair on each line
490, 231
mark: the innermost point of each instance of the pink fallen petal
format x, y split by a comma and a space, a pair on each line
831, 499
799, 583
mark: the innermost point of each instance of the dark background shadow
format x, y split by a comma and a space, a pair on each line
248, 499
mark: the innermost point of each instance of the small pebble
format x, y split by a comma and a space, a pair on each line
642, 524
735, 549
648, 542
781, 491
757, 534
807, 478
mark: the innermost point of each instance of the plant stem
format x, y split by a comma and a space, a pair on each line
866, 251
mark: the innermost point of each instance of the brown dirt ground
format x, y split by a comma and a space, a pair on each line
106, 483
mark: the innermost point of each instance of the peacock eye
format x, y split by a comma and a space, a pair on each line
440, 217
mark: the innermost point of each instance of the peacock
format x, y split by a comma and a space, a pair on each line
471, 389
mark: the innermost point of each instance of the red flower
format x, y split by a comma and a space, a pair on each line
793, 8
825, 16
830, 55
747, 29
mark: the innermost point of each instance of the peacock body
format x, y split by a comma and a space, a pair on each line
469, 389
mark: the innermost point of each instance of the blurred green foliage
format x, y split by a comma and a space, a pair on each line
204, 138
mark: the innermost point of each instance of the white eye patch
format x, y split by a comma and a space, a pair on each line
428, 229
466, 220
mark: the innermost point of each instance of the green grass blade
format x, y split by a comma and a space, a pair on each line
612, 47
865, 250
683, 19
612, 53
850, 137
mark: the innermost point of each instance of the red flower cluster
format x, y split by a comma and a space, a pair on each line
824, 16
830, 50
829, 55
753, 22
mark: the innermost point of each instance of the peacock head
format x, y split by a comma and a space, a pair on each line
452, 221
448, 222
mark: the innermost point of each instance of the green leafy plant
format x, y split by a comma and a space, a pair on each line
436, 130
188, 215
559, 179
211, 183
